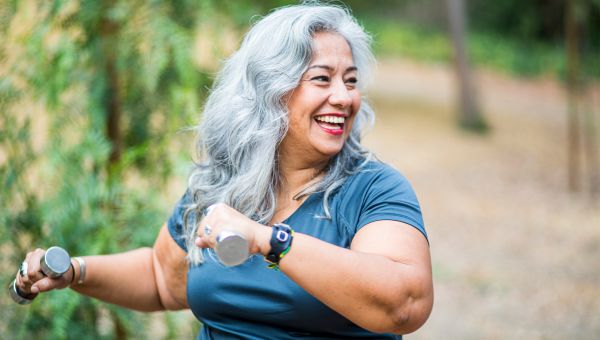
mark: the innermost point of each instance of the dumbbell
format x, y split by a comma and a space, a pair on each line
231, 248
55, 262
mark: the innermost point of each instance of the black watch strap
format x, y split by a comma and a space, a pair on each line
281, 240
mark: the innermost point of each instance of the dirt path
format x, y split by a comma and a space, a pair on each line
514, 254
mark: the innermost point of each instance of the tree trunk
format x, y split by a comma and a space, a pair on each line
591, 148
109, 33
572, 32
469, 114
113, 108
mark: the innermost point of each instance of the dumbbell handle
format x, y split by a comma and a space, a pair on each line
55, 262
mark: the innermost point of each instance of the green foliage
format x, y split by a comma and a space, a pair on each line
526, 21
64, 67
512, 56
407, 40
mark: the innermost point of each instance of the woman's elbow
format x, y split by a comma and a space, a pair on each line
412, 314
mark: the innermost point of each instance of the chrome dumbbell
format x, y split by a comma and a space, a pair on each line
54, 264
232, 249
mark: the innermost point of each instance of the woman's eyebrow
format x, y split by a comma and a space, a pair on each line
329, 68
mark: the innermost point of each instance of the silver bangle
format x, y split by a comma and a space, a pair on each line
81, 262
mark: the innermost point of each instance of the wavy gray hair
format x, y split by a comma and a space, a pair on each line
246, 118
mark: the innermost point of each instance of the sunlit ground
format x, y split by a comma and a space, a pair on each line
515, 255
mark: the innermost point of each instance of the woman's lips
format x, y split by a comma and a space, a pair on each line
331, 123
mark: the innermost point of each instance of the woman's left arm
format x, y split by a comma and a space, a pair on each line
382, 283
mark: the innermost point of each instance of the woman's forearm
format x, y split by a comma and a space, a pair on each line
371, 290
125, 279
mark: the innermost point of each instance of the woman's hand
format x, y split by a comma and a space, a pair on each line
33, 281
221, 217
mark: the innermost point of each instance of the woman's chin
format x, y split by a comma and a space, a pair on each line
329, 150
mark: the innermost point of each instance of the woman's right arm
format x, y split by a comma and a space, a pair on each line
145, 279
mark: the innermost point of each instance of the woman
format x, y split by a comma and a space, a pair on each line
284, 168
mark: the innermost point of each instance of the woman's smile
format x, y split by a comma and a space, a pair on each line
332, 123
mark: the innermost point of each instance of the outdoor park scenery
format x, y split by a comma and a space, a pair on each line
490, 109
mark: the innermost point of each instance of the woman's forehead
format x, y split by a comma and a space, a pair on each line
331, 50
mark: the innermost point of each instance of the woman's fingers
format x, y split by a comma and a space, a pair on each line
209, 209
22, 274
30, 271
219, 218
34, 269
31, 280
210, 225
201, 243
206, 234
47, 284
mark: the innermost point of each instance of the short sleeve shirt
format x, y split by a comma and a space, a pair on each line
251, 301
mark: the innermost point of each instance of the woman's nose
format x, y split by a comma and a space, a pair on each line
340, 95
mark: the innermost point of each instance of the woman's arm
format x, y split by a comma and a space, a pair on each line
145, 279
382, 283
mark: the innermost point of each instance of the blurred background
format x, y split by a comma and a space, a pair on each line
490, 109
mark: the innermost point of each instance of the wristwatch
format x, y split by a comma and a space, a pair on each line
281, 240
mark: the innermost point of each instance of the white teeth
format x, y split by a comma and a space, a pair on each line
331, 119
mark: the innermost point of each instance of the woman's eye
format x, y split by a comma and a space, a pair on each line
320, 78
351, 82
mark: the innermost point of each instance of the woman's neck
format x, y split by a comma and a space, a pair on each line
296, 174
293, 181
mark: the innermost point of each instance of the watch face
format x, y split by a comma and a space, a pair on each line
282, 236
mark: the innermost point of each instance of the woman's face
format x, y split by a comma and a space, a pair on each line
323, 106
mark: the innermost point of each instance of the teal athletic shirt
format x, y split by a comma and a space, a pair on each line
251, 301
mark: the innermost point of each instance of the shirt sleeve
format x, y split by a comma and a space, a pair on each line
389, 196
175, 224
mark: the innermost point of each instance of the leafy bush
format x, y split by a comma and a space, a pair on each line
68, 71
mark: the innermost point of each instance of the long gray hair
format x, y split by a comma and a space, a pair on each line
246, 117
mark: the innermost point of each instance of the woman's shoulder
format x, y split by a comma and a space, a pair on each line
371, 180
176, 222
379, 192
379, 166
375, 171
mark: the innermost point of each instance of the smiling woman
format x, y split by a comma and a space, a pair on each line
283, 169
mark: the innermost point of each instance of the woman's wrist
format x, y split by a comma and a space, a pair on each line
262, 240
